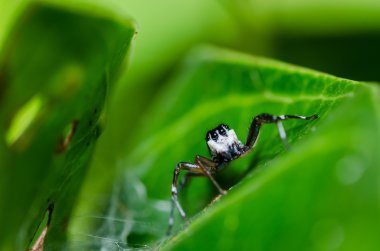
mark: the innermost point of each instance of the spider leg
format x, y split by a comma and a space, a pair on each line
207, 167
185, 179
191, 168
265, 118
281, 131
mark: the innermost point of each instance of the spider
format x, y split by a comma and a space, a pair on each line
224, 147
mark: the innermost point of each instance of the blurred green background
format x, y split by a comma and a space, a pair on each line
138, 85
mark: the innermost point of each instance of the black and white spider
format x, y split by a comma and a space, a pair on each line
224, 146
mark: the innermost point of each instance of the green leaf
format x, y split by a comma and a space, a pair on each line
303, 198
56, 66
320, 196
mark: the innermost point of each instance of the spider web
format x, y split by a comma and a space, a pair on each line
131, 221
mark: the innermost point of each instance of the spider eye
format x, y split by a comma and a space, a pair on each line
222, 131
214, 136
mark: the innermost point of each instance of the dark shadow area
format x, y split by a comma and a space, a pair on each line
352, 56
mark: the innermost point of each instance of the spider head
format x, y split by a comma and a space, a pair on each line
223, 143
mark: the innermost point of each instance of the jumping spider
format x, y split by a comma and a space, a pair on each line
224, 146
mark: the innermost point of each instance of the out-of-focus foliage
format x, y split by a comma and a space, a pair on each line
58, 58
56, 67
339, 37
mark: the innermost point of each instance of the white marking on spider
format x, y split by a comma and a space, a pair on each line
174, 189
224, 143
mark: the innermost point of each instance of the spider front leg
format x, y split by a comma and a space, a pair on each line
182, 184
203, 166
207, 165
265, 118
191, 168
